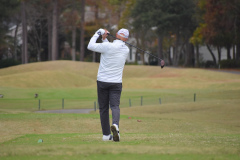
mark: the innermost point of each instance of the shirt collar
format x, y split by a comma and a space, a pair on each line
118, 41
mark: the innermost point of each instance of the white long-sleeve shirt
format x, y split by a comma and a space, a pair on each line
112, 60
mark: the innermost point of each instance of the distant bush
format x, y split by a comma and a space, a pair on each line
210, 64
230, 63
8, 62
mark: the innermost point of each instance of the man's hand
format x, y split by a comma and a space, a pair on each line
104, 36
100, 31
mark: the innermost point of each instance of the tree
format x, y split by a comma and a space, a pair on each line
126, 15
169, 17
71, 21
198, 38
106, 15
221, 18
141, 24
82, 31
24, 34
8, 10
38, 33
54, 29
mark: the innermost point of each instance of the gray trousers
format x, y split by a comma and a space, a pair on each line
109, 95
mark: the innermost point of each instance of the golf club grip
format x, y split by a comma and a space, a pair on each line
135, 47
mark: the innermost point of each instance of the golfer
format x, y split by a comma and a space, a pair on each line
109, 78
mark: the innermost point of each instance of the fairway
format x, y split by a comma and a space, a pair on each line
160, 116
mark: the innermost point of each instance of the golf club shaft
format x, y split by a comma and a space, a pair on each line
135, 47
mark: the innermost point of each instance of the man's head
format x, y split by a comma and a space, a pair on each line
122, 34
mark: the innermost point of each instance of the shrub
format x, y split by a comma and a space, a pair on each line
210, 64
230, 63
8, 62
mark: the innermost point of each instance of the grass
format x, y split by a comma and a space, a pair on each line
180, 131
179, 128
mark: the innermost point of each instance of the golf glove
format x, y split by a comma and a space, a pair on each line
100, 31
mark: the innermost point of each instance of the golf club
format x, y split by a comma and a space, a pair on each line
138, 48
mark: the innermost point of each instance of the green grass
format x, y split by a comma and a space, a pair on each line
155, 145
180, 131
178, 128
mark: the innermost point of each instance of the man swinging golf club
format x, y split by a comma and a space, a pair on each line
109, 78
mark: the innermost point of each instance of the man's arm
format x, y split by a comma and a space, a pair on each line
104, 36
97, 47
105, 40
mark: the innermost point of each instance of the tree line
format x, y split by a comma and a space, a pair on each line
45, 30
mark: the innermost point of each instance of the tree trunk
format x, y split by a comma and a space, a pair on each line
160, 50
169, 55
24, 34
142, 58
15, 43
144, 48
189, 55
40, 45
192, 60
176, 51
234, 51
38, 55
197, 55
96, 18
136, 53
228, 53
213, 56
219, 54
54, 30
74, 43
238, 52
180, 50
82, 31
49, 37
186, 55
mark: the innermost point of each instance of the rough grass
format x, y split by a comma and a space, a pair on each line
68, 74
76, 83
176, 129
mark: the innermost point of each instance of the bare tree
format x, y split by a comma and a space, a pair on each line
38, 22
49, 36
54, 30
70, 20
15, 42
24, 34
82, 31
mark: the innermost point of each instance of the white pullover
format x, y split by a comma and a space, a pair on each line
112, 60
